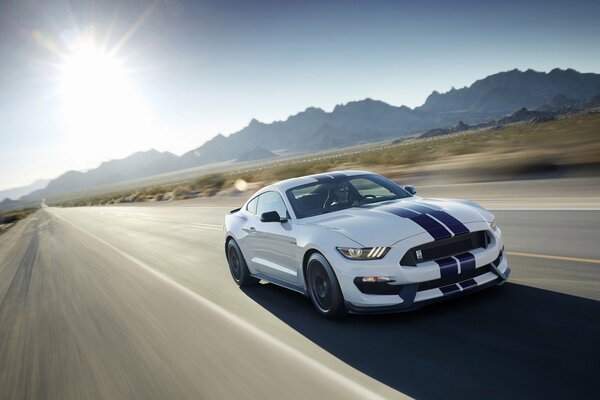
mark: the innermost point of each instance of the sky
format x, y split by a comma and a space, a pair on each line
82, 82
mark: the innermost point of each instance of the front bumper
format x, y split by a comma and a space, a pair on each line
409, 304
421, 285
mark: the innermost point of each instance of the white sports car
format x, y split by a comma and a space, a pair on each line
356, 241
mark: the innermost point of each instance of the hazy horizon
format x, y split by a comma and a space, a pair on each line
181, 72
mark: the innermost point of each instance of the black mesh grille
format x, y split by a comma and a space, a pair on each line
445, 248
454, 279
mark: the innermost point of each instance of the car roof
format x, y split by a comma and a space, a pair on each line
303, 180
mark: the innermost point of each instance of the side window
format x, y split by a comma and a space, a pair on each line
251, 207
271, 201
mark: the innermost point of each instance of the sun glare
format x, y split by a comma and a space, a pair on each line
91, 78
100, 107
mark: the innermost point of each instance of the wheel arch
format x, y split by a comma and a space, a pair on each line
307, 254
228, 239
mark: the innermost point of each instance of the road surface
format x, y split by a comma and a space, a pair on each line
137, 302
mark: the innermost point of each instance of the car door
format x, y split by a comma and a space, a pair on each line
274, 248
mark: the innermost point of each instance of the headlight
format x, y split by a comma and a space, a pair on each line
363, 253
493, 224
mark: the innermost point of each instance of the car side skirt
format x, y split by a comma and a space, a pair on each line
275, 281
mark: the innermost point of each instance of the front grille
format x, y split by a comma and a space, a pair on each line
445, 248
448, 280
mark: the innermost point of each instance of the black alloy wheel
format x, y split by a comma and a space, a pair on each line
323, 287
237, 265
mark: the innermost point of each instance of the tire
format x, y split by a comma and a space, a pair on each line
323, 287
238, 267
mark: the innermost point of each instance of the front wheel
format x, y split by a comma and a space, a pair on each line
323, 287
237, 265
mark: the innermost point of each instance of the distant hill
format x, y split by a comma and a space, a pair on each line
369, 120
460, 127
8, 204
491, 100
505, 92
522, 115
558, 105
560, 102
313, 129
525, 115
563, 104
18, 192
137, 165
257, 153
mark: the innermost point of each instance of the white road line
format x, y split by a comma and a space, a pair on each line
204, 226
193, 225
549, 257
234, 319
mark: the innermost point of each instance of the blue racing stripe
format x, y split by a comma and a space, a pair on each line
430, 206
467, 262
468, 284
448, 267
417, 207
452, 223
411, 211
432, 227
449, 289
455, 225
401, 212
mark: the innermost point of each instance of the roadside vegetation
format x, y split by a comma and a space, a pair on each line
566, 147
10, 218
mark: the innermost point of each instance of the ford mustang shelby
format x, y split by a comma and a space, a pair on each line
356, 241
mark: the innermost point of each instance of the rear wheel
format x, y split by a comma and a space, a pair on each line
237, 265
323, 287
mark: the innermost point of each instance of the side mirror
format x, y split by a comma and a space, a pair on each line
411, 189
271, 216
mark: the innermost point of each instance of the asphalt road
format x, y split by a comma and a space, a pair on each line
137, 302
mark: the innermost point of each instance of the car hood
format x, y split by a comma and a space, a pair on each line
383, 224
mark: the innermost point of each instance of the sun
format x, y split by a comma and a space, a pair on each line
100, 108
91, 77
97, 81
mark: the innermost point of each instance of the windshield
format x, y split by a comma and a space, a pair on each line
342, 192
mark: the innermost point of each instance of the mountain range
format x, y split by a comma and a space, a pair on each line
137, 165
16, 193
367, 120
371, 120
